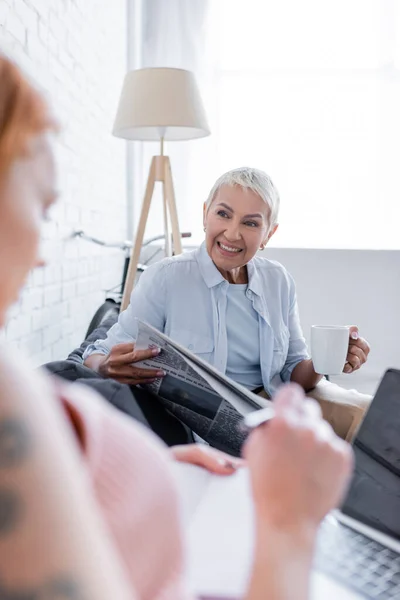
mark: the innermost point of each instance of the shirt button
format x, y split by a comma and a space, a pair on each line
190, 347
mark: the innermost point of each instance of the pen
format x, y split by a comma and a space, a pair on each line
258, 417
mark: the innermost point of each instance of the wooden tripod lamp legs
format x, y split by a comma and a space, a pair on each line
160, 170
173, 213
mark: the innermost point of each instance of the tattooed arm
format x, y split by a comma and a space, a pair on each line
53, 543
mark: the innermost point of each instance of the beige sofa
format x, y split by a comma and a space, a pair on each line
343, 409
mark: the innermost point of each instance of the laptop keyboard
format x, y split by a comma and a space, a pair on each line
357, 561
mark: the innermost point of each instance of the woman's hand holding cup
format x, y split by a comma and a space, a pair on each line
337, 349
358, 351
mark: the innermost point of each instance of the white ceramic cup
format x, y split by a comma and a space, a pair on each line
329, 347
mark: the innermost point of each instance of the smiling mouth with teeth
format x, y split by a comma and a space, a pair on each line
229, 248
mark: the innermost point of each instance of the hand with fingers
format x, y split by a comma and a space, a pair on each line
120, 365
299, 471
209, 458
299, 468
358, 351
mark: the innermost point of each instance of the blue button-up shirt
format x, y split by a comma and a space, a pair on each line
185, 297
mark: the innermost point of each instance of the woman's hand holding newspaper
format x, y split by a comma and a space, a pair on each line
119, 364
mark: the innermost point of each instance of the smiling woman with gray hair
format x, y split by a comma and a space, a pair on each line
232, 308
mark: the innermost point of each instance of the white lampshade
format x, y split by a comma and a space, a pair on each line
160, 102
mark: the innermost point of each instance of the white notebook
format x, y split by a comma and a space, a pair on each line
218, 521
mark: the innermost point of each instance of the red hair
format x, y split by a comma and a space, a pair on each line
23, 112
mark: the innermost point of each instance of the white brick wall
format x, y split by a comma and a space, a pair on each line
76, 50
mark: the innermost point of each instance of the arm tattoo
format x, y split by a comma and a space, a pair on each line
15, 443
62, 588
15, 446
10, 510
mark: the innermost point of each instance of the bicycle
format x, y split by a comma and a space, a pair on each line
112, 304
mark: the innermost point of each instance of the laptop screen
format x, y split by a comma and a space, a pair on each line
374, 494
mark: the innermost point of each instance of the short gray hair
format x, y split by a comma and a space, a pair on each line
253, 179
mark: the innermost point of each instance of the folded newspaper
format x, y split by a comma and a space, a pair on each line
207, 401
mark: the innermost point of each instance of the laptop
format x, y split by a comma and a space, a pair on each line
358, 547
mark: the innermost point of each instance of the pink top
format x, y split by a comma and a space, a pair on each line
133, 484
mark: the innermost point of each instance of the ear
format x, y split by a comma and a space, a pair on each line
271, 233
269, 236
204, 213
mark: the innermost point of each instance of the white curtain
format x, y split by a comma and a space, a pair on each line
308, 91
174, 34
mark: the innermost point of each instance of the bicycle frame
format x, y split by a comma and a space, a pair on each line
126, 246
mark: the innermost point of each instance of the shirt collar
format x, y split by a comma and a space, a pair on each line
209, 271
255, 284
213, 277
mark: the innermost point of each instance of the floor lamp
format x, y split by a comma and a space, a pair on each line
159, 104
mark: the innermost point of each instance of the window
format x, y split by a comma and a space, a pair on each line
310, 92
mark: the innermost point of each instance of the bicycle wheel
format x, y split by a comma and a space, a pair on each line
107, 309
